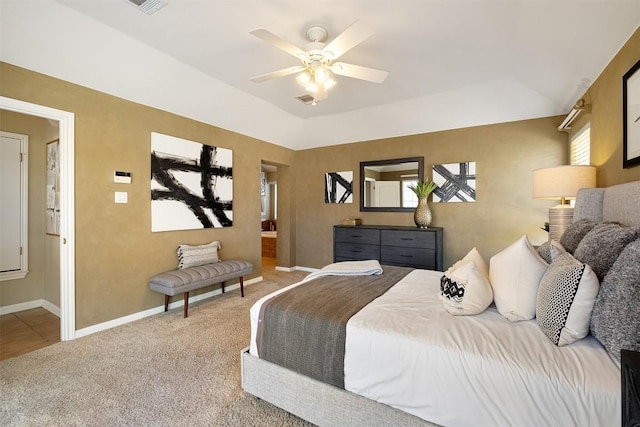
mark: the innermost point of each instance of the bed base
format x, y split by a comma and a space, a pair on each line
319, 403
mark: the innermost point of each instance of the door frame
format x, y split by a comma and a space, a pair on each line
67, 206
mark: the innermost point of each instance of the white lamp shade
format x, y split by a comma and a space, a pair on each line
562, 182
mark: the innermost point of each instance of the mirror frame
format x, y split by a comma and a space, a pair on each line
363, 165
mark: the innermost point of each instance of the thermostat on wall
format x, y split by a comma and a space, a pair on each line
122, 177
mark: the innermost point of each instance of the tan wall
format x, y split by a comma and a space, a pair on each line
605, 97
116, 252
505, 156
32, 287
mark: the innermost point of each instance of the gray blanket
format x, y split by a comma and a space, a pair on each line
304, 329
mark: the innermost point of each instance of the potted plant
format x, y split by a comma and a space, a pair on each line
422, 214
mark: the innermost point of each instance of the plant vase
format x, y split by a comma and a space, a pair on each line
422, 214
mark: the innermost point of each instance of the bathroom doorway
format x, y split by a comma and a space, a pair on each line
269, 215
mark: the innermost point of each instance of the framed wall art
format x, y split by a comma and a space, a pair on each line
631, 116
338, 187
53, 188
191, 185
456, 182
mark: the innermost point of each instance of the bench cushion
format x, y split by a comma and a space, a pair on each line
184, 280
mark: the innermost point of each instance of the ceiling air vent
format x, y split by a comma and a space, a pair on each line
148, 6
306, 99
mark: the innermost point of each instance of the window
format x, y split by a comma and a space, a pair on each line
409, 198
580, 147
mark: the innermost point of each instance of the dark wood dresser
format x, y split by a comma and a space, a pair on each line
391, 245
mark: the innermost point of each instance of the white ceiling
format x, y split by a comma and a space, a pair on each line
452, 63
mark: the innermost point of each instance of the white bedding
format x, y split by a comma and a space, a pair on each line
405, 350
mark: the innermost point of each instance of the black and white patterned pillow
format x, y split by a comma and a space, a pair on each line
192, 256
465, 289
566, 296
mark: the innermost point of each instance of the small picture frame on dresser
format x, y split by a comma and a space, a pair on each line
630, 374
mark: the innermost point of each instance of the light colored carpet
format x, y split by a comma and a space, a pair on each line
159, 371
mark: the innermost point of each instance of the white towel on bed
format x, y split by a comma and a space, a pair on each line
348, 268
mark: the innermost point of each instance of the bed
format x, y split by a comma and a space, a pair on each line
407, 361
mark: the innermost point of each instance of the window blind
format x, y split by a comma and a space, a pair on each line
580, 147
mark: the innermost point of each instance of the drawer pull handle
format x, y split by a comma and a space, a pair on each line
355, 237
355, 251
406, 256
406, 238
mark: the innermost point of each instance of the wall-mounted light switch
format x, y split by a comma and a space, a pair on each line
122, 177
121, 197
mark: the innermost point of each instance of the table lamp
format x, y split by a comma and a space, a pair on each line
561, 183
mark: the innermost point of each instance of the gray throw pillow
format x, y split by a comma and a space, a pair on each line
574, 234
549, 250
615, 320
601, 246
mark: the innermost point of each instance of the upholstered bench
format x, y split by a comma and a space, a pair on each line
187, 279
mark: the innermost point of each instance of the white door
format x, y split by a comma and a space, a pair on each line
387, 194
12, 217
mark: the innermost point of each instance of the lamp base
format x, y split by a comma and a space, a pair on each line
560, 217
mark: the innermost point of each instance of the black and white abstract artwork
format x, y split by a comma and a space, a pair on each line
456, 182
338, 187
191, 185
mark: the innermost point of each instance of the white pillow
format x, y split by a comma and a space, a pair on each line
515, 275
192, 256
567, 293
465, 289
475, 256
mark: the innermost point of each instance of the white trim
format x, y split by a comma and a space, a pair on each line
67, 206
29, 305
24, 208
150, 312
50, 307
297, 268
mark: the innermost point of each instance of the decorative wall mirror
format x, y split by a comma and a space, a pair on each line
384, 184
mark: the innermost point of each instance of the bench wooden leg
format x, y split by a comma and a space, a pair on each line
166, 302
186, 304
222, 284
242, 286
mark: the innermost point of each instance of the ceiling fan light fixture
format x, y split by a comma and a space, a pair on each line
304, 78
329, 84
322, 75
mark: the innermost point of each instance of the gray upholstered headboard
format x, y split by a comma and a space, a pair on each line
619, 203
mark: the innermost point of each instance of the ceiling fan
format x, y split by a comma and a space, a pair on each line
318, 67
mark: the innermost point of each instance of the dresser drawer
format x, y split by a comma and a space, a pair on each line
357, 235
355, 251
412, 257
408, 239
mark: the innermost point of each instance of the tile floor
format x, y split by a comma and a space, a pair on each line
28, 330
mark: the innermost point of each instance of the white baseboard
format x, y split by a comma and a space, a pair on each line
28, 305
150, 312
297, 268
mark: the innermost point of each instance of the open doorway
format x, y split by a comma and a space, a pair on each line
269, 216
66, 242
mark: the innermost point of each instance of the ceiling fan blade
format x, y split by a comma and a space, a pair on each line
351, 37
265, 35
358, 72
275, 74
